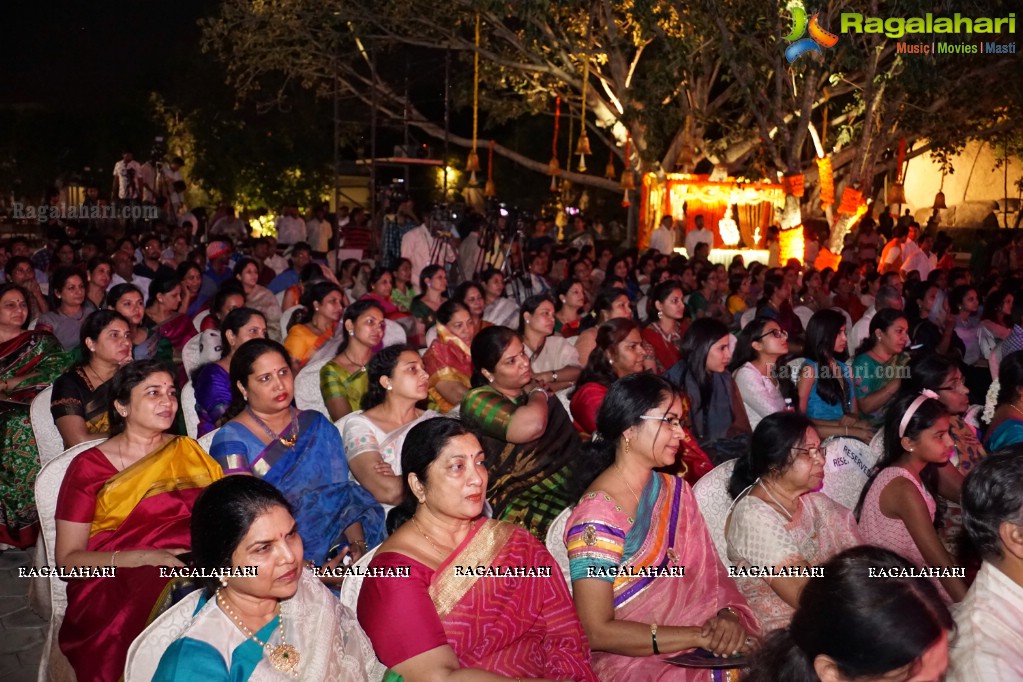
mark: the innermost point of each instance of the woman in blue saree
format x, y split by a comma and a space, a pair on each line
1006, 426
299, 452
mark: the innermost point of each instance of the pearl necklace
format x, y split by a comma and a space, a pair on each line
283, 657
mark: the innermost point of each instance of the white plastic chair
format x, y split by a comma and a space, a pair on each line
555, 542
206, 441
354, 634
280, 298
48, 439
188, 409
200, 349
794, 366
286, 318
804, 314
847, 468
747, 317
714, 502
54, 665
145, 652
199, 317
394, 334
307, 386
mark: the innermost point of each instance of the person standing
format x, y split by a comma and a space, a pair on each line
697, 235
663, 238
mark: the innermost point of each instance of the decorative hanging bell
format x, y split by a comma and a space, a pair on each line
472, 165
939, 200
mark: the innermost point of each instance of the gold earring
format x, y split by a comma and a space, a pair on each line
627, 446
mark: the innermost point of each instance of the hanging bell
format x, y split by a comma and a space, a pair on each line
897, 193
554, 183
628, 181
583, 148
473, 163
625, 200
939, 200
609, 171
553, 167
490, 190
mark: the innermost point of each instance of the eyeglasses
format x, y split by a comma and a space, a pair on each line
673, 422
813, 453
776, 333
958, 385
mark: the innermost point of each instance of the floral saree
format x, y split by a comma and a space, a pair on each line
668, 531
530, 483
147, 505
30, 362
312, 474
513, 625
447, 359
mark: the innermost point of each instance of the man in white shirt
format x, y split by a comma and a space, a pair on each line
663, 238
418, 245
989, 621
892, 255
319, 232
698, 234
123, 266
127, 178
886, 297
921, 260
912, 241
290, 227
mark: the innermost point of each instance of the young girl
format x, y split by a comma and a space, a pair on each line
896, 510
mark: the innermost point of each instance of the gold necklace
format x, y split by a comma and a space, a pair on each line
286, 442
1013, 406
432, 543
283, 657
354, 363
626, 481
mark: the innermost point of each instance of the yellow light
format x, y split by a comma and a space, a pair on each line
791, 245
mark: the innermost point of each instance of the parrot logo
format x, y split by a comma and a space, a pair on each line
819, 36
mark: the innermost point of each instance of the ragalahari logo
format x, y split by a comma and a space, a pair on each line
819, 37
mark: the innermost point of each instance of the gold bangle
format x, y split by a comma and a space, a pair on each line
113, 557
653, 638
731, 611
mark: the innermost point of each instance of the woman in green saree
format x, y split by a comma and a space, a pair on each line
29, 362
532, 448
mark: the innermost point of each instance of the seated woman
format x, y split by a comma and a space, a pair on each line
29, 362
343, 380
776, 303
1006, 427
996, 321
532, 449
68, 307
433, 283
777, 520
634, 518
448, 360
570, 297
212, 381
80, 400
897, 508
164, 320
126, 504
470, 295
919, 306
299, 452
760, 345
373, 438
879, 363
891, 629
99, 271
825, 385
280, 620
438, 622
402, 291
610, 303
499, 310
246, 271
718, 418
380, 286
228, 297
314, 326
314, 272
663, 332
553, 358
190, 275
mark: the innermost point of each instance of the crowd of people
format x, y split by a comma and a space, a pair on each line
779, 472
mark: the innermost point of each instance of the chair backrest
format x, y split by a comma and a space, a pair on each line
555, 542
207, 440
286, 317
280, 300
804, 313
47, 488
847, 468
307, 386
145, 652
199, 317
394, 333
202, 348
747, 316
47, 436
355, 636
188, 410
794, 366
713, 500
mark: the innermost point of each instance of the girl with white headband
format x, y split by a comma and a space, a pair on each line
897, 508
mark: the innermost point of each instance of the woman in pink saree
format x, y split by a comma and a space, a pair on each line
468, 592
647, 580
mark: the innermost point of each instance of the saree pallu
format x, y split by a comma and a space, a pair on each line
447, 359
1009, 432
147, 505
75, 396
312, 474
668, 531
523, 627
302, 343
212, 396
337, 382
40, 355
530, 483
391, 311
